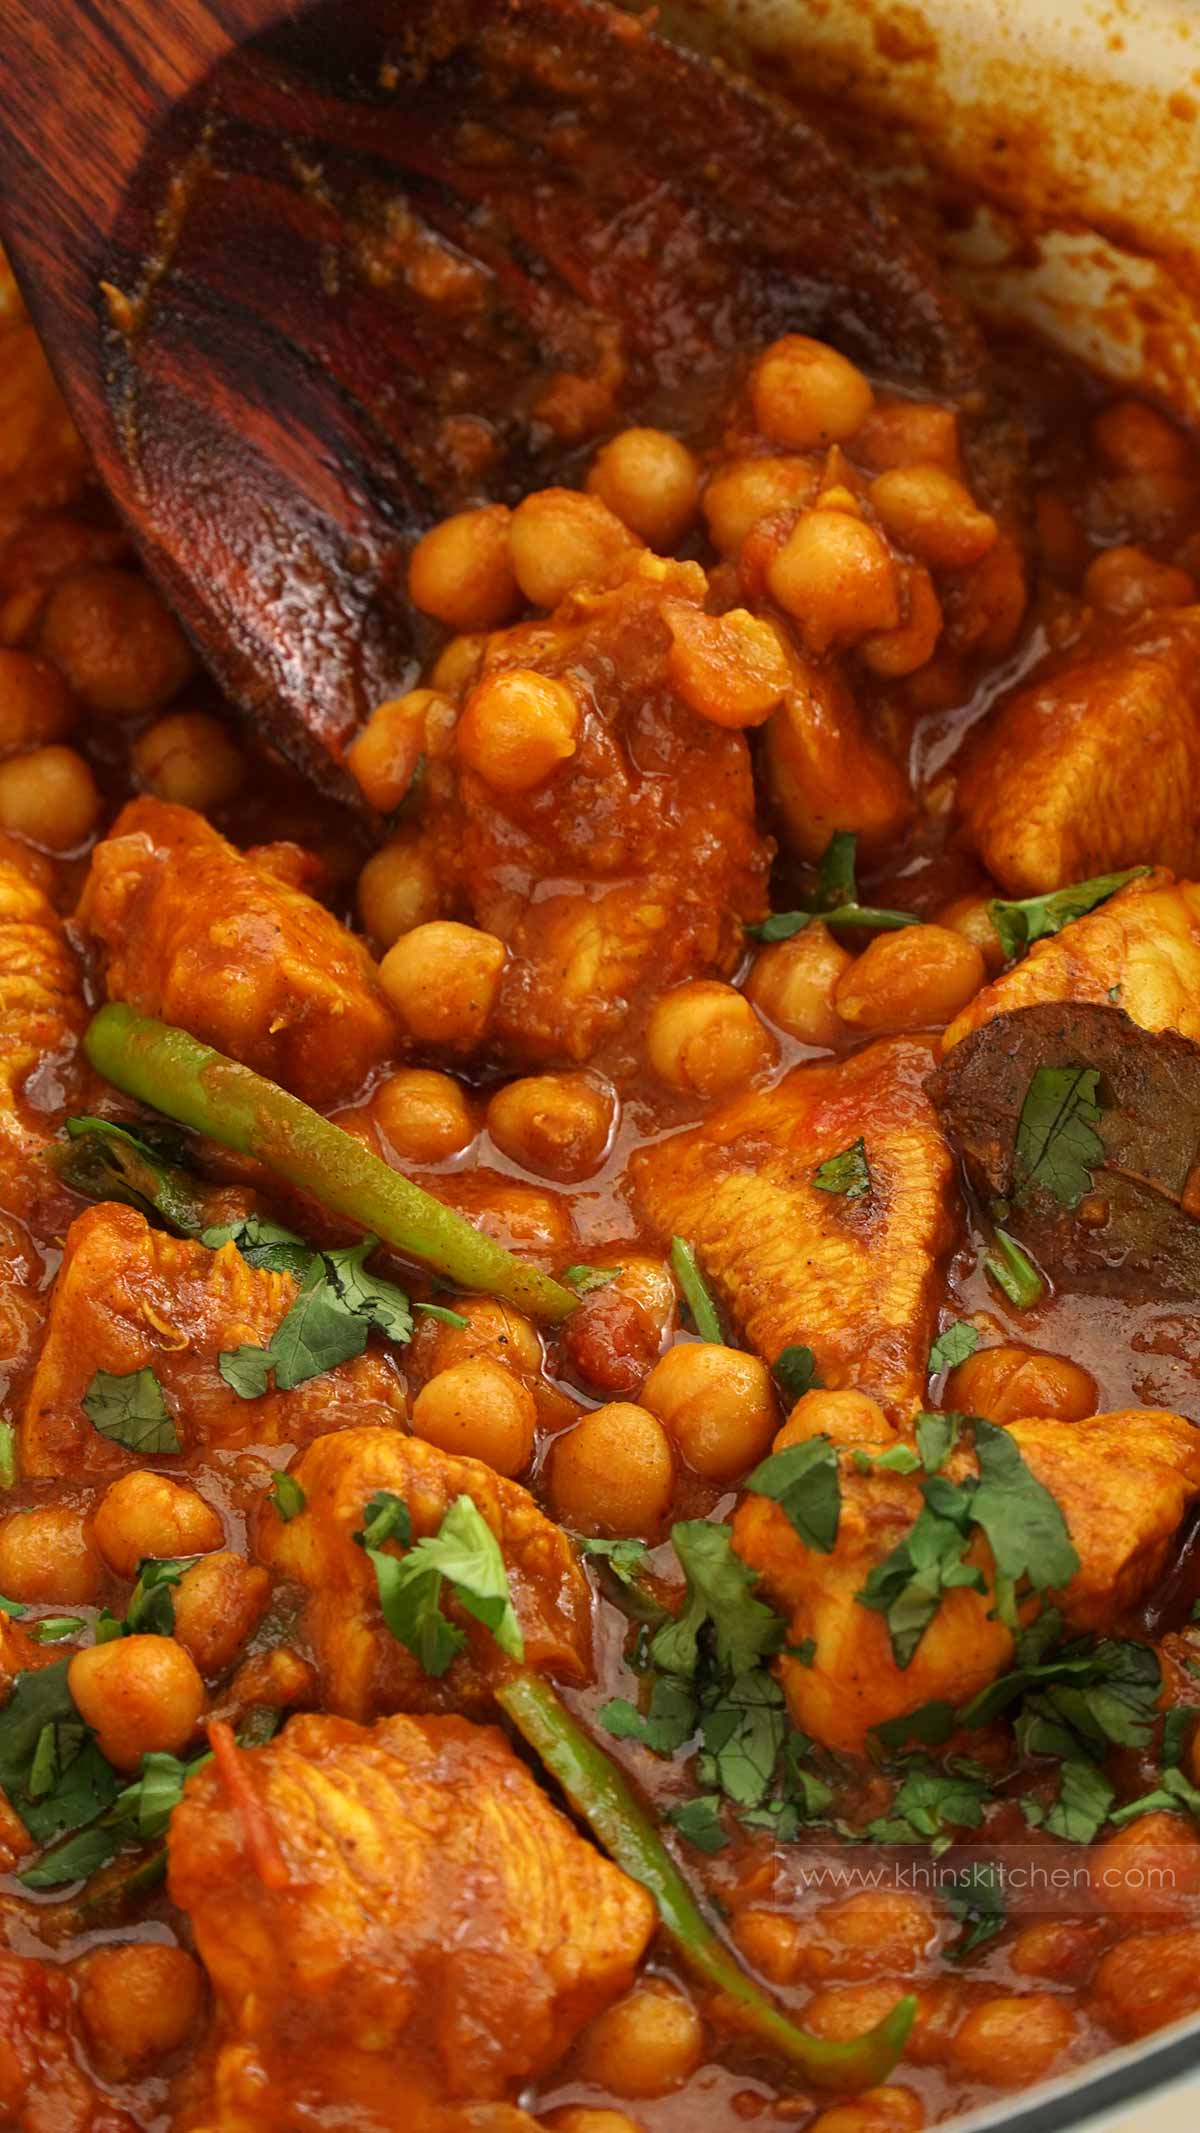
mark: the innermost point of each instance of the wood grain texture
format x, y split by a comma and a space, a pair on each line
380, 257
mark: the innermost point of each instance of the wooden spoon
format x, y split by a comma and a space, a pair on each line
311, 278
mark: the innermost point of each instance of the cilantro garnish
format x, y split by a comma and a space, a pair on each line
129, 1409
1014, 1272
705, 1316
1175, 1794
464, 1554
287, 1496
74, 1861
699, 1820
337, 1304
583, 1279
1020, 1518
931, 1804
937, 1435
834, 900
795, 1372
1057, 1147
1033, 918
262, 1243
720, 1600
51, 1629
975, 1898
803, 1480
1082, 1807
846, 1174
50, 1768
952, 1346
151, 1610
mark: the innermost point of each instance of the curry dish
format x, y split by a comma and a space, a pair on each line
597, 1472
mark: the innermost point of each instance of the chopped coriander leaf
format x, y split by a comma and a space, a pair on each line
846, 1174
795, 1372
368, 1296
14, 1609
129, 1409
670, 1719
151, 1610
1034, 918
907, 1587
898, 1459
937, 1435
742, 1731
930, 1804
705, 1316
287, 1496
1014, 1273
1081, 1809
1077, 1701
262, 1243
104, 1161
625, 1558
976, 1900
803, 1480
246, 1370
837, 878
444, 1313
51, 1629
1176, 1794
44, 1743
803, 1653
583, 1279
8, 1456
386, 1517
465, 1554
82, 1855
953, 1346
783, 925
699, 1820
720, 1600
931, 1724
1177, 1728
1057, 1147
1022, 1520
159, 1790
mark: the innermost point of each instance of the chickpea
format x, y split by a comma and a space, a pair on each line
1136, 439
717, 1406
443, 980
495, 1330
145, 1514
46, 1556
847, 1417
1151, 1865
517, 728
424, 1117
1146, 1981
139, 1695
137, 2002
461, 570
969, 915
731, 668
704, 1038
652, 483
836, 579
894, 653
792, 983
1010, 2041
458, 663
581, 2118
771, 1943
901, 433
612, 1473
1062, 1949
884, 2110
846, 2011
934, 516
649, 2043
1127, 581
649, 1285
35, 702
49, 797
397, 890
561, 540
478, 1410
219, 1604
384, 756
557, 1125
805, 394
919, 978
1010, 1383
749, 490
190, 759
120, 650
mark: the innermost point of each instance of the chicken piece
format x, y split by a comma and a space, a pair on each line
128, 1298
43, 2087
1144, 944
826, 772
634, 865
441, 1931
852, 1278
363, 1669
215, 940
1095, 763
1123, 1482
42, 1015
